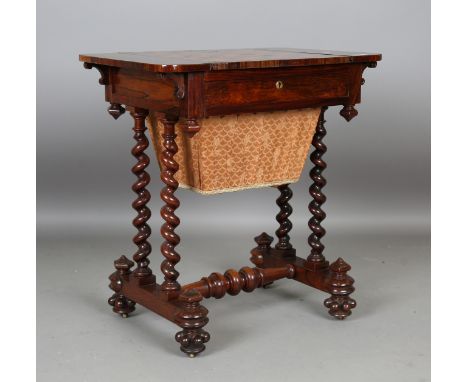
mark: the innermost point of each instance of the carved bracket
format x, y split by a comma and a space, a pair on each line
104, 80
349, 111
372, 64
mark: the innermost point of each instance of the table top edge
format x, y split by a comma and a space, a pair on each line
317, 57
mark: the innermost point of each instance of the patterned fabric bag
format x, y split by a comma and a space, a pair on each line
237, 152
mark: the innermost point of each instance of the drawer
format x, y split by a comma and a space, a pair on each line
148, 90
262, 90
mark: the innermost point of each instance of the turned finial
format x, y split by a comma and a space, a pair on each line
340, 266
263, 241
348, 112
263, 246
191, 127
123, 265
116, 110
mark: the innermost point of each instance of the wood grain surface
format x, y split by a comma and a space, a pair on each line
225, 59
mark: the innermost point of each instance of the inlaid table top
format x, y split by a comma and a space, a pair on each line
226, 59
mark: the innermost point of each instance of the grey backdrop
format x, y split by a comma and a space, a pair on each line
378, 174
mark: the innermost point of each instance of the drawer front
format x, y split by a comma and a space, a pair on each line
263, 90
145, 89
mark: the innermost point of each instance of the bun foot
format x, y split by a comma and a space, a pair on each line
123, 306
192, 342
340, 307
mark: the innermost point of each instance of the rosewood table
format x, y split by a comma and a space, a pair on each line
189, 86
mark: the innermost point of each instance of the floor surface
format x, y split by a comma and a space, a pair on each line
278, 334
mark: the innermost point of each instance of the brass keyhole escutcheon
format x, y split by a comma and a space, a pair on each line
279, 84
